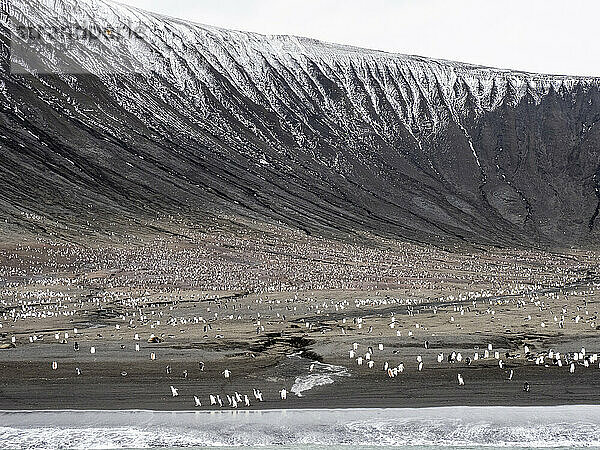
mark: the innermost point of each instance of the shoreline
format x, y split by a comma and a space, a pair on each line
275, 410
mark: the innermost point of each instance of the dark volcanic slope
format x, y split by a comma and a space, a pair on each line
199, 120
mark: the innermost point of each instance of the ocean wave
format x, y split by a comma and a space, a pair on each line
492, 427
321, 375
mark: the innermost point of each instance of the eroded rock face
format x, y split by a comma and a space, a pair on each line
175, 118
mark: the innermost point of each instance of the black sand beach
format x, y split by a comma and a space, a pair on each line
103, 388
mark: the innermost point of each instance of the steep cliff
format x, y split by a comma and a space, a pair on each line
161, 117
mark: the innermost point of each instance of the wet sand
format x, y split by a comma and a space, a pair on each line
102, 387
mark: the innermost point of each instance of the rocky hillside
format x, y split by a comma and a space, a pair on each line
156, 117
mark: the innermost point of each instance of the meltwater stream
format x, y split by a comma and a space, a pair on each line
463, 427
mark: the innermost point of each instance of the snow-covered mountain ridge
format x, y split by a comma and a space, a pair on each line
320, 136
